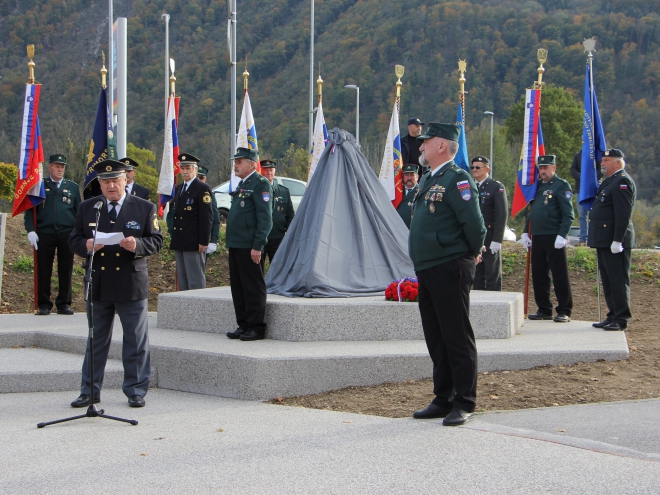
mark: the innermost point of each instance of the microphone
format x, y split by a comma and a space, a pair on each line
98, 205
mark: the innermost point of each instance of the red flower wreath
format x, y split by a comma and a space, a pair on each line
405, 290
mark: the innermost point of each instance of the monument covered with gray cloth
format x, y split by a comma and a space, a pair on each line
346, 239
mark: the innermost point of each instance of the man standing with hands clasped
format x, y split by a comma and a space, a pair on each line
549, 221
120, 281
612, 233
446, 236
249, 222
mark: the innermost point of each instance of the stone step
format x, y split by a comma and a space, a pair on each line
494, 315
28, 369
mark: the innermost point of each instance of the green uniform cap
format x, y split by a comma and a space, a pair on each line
202, 171
614, 152
445, 131
547, 160
268, 164
246, 153
57, 159
410, 168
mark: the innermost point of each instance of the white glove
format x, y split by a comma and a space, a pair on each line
560, 242
211, 248
495, 247
34, 238
616, 247
525, 241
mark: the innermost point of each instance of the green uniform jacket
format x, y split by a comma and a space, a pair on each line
57, 213
282, 211
610, 218
215, 227
405, 207
446, 222
552, 209
251, 214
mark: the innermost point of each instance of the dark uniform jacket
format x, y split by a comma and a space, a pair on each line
57, 214
282, 211
405, 207
410, 150
250, 218
119, 275
494, 207
190, 217
552, 208
610, 218
140, 191
446, 221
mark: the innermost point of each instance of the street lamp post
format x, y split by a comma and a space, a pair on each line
357, 112
492, 115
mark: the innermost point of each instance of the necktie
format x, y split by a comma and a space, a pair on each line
184, 189
57, 185
112, 214
127, 192
240, 184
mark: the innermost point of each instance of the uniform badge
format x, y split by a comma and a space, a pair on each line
156, 225
265, 196
108, 168
623, 186
206, 198
464, 190
432, 208
133, 225
242, 203
568, 194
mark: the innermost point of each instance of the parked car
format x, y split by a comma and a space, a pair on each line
573, 238
223, 199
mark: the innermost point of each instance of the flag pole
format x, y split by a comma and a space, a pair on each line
542, 56
462, 67
35, 271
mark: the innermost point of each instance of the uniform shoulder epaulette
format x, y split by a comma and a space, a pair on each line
282, 185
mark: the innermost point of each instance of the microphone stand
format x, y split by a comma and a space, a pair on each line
92, 411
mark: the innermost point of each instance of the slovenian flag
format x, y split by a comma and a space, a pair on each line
247, 137
533, 146
391, 169
169, 168
30, 189
461, 159
319, 142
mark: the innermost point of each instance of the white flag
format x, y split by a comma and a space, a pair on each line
319, 142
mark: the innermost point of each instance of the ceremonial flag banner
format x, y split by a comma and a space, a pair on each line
593, 144
247, 138
29, 184
533, 146
169, 168
391, 169
319, 142
461, 159
102, 146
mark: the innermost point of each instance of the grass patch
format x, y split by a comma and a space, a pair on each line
23, 264
583, 259
510, 260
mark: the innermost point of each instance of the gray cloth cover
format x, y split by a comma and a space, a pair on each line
346, 239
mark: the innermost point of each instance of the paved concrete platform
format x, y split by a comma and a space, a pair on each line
187, 443
209, 363
494, 315
42, 370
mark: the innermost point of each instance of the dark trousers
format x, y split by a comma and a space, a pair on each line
547, 259
248, 290
488, 273
444, 304
615, 274
48, 244
271, 249
135, 349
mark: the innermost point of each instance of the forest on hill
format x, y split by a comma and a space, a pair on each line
356, 42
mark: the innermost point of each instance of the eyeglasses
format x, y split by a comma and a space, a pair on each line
476, 168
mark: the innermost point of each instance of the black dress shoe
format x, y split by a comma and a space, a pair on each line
251, 335
602, 324
83, 401
136, 401
66, 310
432, 411
615, 326
561, 319
539, 316
43, 311
236, 333
457, 417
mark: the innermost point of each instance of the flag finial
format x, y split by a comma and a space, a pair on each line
104, 71
172, 78
398, 71
319, 83
30, 54
246, 75
542, 55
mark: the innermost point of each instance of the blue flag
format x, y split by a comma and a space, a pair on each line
101, 148
461, 157
593, 144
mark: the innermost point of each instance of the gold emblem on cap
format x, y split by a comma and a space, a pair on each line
607, 153
126, 162
183, 157
108, 168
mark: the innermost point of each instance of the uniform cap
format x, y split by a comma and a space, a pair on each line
481, 159
109, 169
614, 152
129, 163
268, 164
410, 168
57, 159
415, 121
246, 153
445, 131
547, 160
202, 171
187, 159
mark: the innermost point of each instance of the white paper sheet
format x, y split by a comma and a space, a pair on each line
109, 238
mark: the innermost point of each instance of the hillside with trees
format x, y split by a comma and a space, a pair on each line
357, 42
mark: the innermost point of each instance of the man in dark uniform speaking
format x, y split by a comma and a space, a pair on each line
446, 236
282, 210
550, 217
410, 178
189, 221
494, 208
120, 282
249, 222
131, 187
55, 219
612, 233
